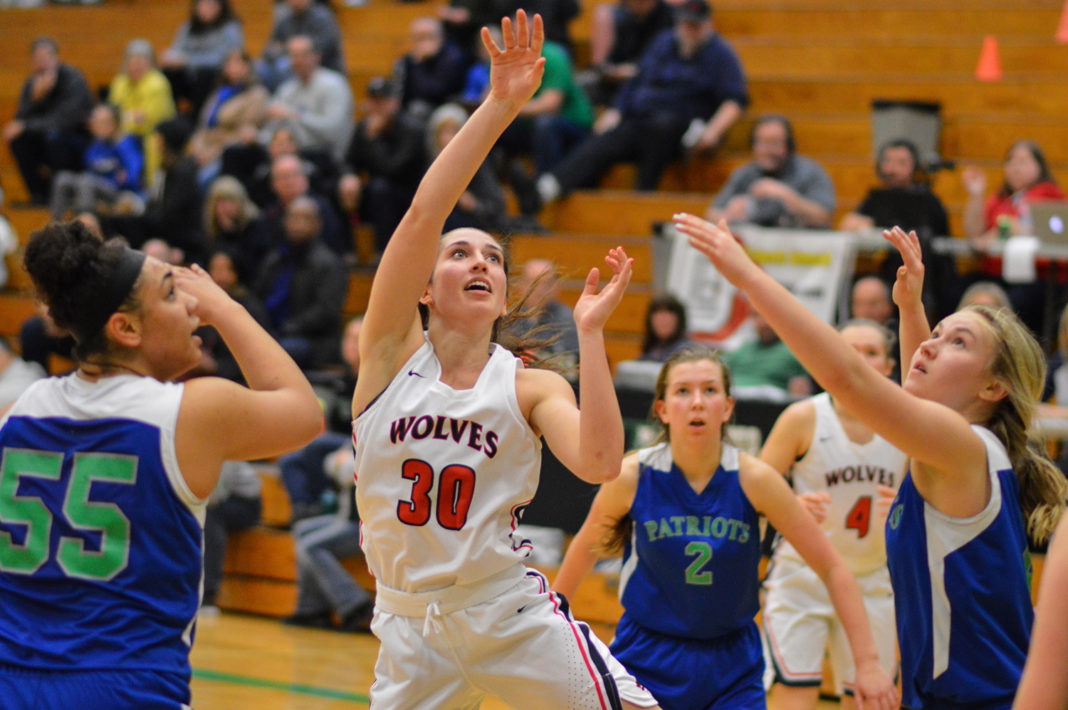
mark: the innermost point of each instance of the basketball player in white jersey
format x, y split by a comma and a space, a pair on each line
447, 434
846, 475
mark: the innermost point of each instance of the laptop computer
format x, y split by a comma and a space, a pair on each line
1049, 219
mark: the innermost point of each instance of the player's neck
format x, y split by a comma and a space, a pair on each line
697, 459
462, 355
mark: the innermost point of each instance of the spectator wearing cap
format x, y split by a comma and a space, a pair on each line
48, 132
688, 74
316, 104
432, 71
384, 162
778, 188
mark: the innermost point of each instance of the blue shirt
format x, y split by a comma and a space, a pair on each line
962, 594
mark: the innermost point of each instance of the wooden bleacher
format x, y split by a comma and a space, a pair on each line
820, 62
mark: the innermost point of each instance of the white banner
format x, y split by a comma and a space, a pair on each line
816, 266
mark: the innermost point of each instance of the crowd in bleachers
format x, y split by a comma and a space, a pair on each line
263, 169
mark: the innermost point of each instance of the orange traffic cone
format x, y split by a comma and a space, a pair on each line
1062, 26
989, 67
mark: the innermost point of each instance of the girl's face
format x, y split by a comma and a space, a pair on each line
695, 403
469, 277
663, 324
953, 365
871, 345
221, 269
1021, 169
207, 11
168, 322
235, 68
227, 210
102, 123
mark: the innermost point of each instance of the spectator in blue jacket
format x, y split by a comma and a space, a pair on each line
113, 169
687, 76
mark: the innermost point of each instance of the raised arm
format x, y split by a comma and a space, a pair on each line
589, 441
612, 502
391, 326
770, 495
220, 420
908, 294
902, 419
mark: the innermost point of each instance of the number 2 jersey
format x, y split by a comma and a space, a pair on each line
442, 475
690, 568
851, 473
100, 538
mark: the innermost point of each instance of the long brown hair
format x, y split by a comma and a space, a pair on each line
1019, 365
618, 532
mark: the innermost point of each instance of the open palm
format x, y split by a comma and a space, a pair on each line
516, 69
592, 308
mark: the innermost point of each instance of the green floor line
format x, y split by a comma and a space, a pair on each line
280, 685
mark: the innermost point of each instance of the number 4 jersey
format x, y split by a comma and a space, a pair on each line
100, 537
851, 473
442, 475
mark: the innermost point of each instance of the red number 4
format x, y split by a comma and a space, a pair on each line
456, 487
859, 517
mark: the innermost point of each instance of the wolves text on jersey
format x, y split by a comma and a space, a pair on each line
461, 431
860, 474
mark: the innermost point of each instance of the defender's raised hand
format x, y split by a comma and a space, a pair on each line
517, 68
593, 309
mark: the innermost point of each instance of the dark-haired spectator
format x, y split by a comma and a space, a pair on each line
112, 170
232, 222
687, 74
316, 104
303, 286
233, 113
903, 197
48, 132
463, 19
305, 18
144, 96
173, 207
1027, 179
384, 163
432, 71
251, 164
666, 329
482, 206
779, 188
225, 269
289, 180
41, 341
619, 35
199, 49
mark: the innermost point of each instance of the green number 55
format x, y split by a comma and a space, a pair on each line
80, 512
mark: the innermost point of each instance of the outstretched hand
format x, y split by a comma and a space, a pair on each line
908, 288
517, 68
593, 309
720, 246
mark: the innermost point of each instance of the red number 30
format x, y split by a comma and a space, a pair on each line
456, 487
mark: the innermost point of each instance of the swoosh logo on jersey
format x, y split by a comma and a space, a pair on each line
412, 373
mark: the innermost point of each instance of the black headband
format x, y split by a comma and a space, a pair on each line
115, 292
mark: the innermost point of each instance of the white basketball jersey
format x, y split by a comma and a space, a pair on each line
851, 473
442, 475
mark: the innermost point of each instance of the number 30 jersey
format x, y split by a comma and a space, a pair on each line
100, 537
442, 475
851, 473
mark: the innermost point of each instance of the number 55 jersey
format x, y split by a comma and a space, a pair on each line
442, 475
100, 537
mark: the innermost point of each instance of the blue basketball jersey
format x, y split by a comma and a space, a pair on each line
961, 592
100, 538
690, 568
